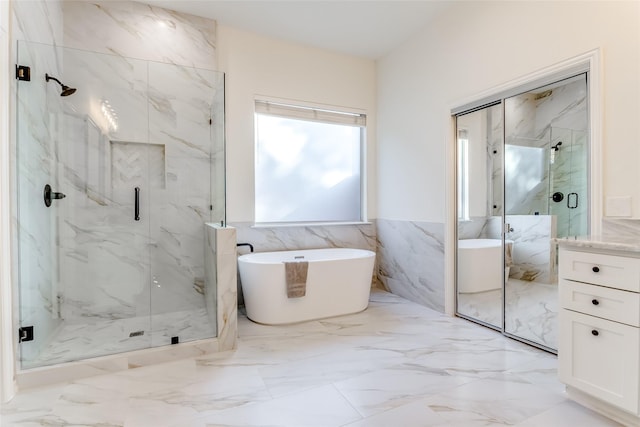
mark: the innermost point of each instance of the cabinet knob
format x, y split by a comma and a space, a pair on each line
595, 333
595, 269
595, 302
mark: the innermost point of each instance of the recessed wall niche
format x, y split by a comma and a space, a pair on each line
134, 163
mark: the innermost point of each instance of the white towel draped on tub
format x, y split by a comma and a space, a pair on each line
296, 278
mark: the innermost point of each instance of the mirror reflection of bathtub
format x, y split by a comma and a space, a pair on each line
480, 265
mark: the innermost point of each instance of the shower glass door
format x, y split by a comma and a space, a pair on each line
568, 181
182, 188
118, 263
37, 225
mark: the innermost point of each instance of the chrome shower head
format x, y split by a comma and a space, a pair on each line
66, 90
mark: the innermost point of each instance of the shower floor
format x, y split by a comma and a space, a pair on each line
531, 310
78, 341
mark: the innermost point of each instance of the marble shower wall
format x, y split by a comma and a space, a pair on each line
533, 254
411, 260
160, 142
569, 171
135, 30
221, 278
534, 122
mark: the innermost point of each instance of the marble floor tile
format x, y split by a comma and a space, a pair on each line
398, 385
395, 364
568, 414
417, 414
503, 399
78, 341
531, 310
318, 407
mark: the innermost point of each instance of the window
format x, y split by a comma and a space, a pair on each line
463, 175
308, 164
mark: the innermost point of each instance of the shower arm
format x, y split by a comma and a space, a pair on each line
47, 77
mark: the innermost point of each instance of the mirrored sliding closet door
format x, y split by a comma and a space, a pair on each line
480, 267
522, 180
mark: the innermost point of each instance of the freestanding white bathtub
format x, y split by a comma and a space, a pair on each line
480, 266
338, 282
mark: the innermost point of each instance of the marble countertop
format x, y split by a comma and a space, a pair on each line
614, 243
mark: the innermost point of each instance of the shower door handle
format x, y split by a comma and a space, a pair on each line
572, 205
137, 204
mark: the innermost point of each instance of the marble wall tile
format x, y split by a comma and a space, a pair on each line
162, 113
612, 227
411, 260
568, 174
535, 122
38, 21
226, 283
266, 239
135, 30
565, 107
533, 253
473, 228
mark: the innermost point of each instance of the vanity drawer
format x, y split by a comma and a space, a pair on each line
606, 270
607, 303
600, 357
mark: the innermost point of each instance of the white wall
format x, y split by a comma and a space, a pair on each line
256, 65
474, 46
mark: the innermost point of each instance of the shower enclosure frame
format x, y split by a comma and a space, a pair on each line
588, 63
219, 242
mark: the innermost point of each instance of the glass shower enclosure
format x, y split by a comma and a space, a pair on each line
114, 184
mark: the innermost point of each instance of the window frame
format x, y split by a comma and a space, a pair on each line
321, 113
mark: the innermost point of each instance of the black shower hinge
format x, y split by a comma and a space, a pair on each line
210, 121
23, 73
25, 334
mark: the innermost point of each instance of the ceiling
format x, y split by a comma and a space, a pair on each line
363, 28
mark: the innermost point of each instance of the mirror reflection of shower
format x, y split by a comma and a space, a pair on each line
526, 169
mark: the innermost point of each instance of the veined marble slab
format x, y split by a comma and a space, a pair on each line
135, 30
614, 243
412, 260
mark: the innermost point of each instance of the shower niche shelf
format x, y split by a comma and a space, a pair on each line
137, 162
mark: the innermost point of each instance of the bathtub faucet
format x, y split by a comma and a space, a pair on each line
246, 244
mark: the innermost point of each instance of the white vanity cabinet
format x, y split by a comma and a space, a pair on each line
599, 345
